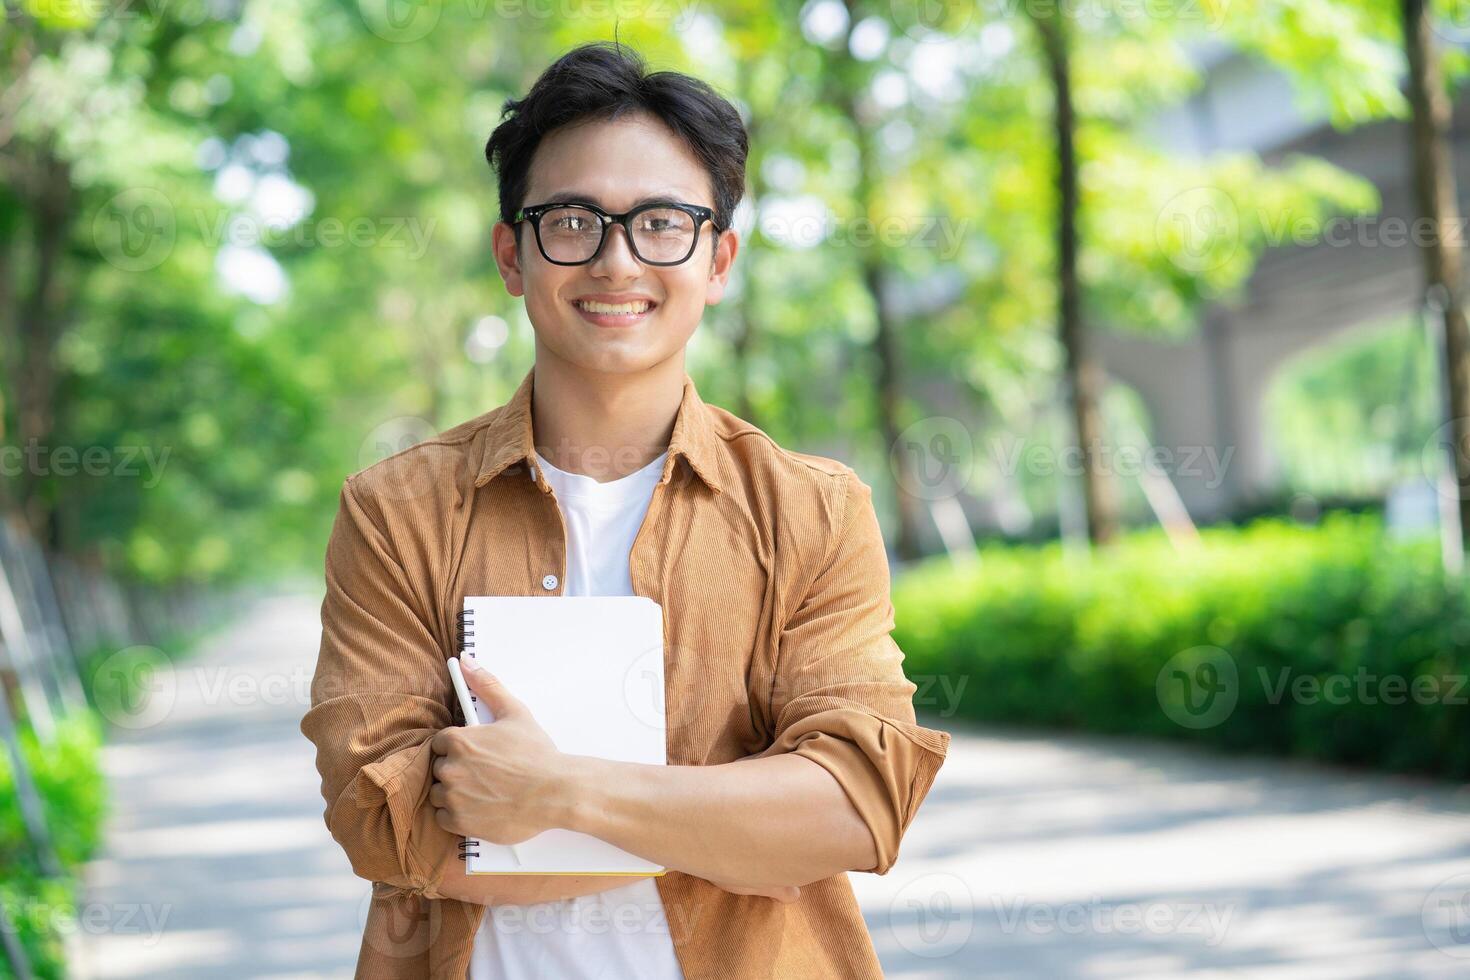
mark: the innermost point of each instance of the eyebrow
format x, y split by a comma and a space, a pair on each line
578, 197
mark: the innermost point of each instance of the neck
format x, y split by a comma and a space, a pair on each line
603, 425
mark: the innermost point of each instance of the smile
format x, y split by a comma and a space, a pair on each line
614, 309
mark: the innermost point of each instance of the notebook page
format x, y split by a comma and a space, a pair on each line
590, 669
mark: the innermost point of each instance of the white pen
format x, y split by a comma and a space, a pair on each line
471, 717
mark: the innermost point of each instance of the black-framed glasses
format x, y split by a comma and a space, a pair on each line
660, 233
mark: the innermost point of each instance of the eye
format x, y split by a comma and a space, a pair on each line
664, 221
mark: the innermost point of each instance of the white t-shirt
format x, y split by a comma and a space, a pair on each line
620, 934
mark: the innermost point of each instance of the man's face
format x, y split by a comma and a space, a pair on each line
615, 165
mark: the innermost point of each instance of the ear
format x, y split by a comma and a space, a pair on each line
508, 257
724, 260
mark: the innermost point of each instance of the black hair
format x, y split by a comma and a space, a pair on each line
606, 80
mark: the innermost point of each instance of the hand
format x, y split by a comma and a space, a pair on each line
785, 894
504, 782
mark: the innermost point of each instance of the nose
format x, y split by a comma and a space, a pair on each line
616, 259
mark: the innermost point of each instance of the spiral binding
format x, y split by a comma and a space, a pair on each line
466, 630
466, 627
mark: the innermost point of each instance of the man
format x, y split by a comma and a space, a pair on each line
793, 752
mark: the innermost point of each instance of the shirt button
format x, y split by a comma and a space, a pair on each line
549, 583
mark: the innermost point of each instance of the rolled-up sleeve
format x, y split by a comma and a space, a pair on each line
840, 697
379, 694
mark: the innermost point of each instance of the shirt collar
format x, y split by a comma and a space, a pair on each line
509, 439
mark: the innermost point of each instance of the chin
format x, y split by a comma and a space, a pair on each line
619, 361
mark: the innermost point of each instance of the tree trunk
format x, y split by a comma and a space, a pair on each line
889, 383
885, 347
746, 327
1434, 188
38, 327
1084, 374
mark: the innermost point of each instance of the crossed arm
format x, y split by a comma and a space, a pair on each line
758, 824
757, 827
834, 791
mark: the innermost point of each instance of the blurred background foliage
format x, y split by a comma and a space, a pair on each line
249, 241
244, 252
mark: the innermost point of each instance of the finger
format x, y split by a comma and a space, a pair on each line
437, 792
784, 894
491, 690
435, 767
439, 744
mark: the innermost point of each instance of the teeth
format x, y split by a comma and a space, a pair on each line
640, 306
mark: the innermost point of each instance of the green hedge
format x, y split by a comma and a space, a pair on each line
68, 777
1117, 641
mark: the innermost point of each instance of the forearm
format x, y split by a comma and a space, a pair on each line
781, 820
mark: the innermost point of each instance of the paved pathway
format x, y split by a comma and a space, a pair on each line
217, 828
1034, 857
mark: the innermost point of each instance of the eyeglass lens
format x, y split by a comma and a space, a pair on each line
572, 234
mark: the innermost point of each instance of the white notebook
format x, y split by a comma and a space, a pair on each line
591, 671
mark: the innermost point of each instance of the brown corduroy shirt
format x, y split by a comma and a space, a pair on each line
770, 568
